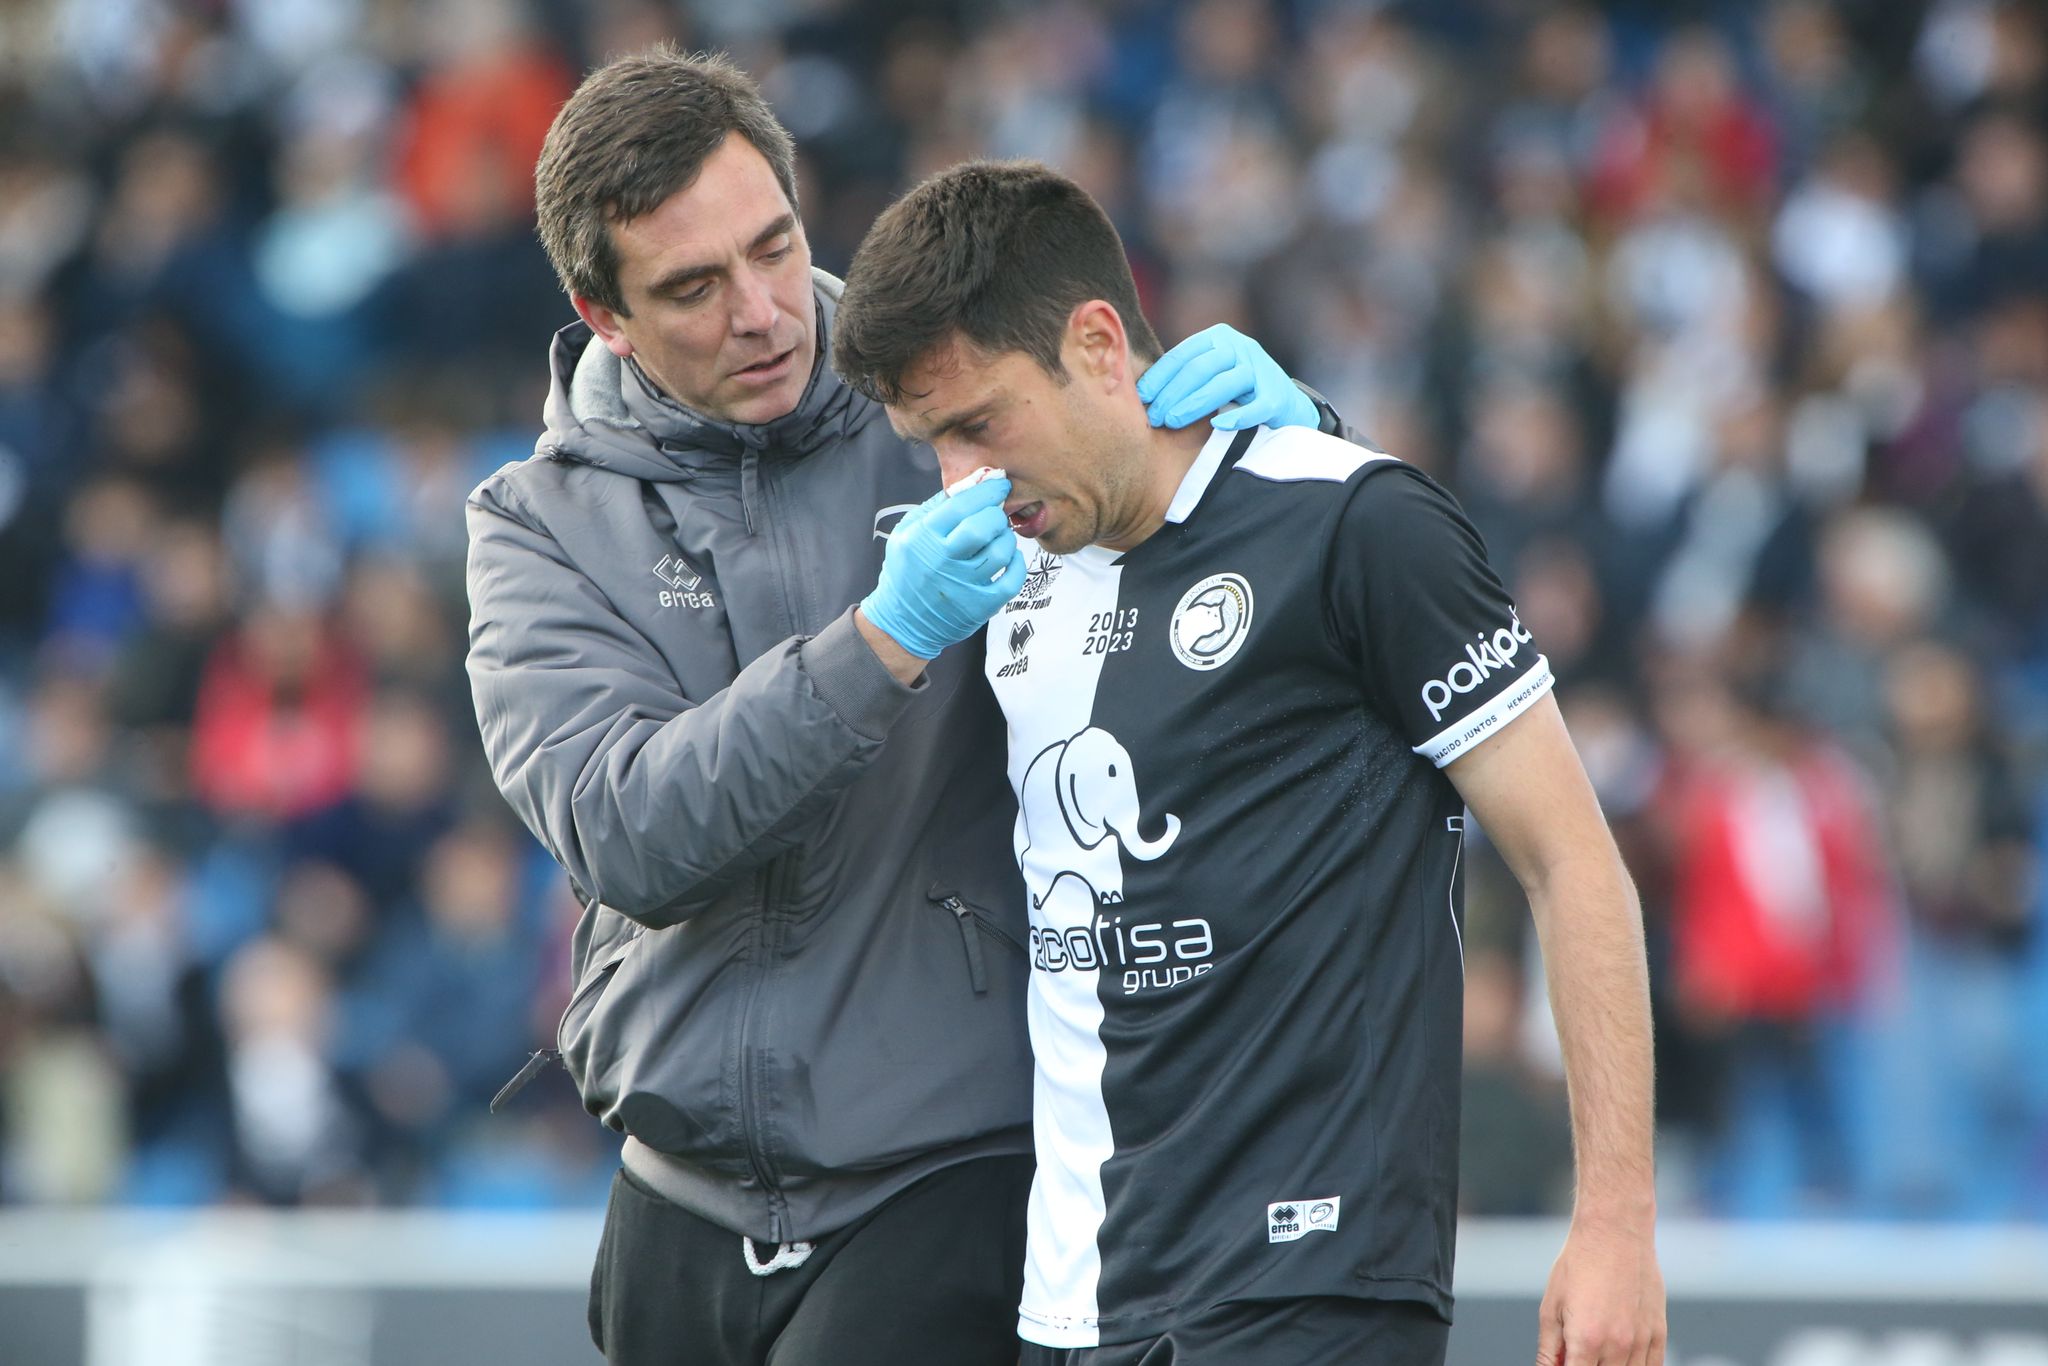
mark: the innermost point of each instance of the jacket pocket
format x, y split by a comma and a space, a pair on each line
975, 926
571, 1036
585, 996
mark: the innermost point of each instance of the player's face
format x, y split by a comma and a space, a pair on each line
1076, 478
717, 286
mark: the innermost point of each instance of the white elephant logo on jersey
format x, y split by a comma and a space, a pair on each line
1080, 808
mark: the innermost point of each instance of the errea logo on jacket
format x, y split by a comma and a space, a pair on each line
1481, 661
685, 585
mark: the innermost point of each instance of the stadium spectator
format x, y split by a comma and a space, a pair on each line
1781, 911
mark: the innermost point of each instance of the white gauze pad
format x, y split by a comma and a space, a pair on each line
969, 481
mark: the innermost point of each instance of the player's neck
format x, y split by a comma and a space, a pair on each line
1169, 454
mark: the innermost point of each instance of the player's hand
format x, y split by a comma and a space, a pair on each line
1220, 365
1604, 1305
951, 564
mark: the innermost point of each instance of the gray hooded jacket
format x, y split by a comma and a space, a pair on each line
800, 974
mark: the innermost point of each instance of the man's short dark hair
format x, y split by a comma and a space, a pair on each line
999, 253
635, 132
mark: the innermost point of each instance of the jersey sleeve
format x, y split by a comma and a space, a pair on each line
1416, 607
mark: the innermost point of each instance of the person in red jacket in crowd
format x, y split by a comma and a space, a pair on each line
1696, 131
468, 138
274, 735
1782, 904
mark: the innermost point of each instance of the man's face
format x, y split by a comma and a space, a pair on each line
717, 286
1076, 473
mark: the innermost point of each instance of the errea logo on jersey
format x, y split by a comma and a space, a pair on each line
1288, 1220
1020, 639
1482, 659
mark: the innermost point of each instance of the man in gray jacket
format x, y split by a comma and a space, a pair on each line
710, 620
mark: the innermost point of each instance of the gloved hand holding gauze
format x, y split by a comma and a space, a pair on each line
951, 564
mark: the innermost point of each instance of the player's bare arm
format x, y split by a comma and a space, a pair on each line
1604, 1305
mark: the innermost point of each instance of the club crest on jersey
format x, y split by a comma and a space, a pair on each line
1211, 621
1039, 572
1287, 1220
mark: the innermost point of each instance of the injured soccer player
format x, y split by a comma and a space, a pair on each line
1260, 678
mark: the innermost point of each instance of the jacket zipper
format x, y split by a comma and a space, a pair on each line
977, 970
972, 921
538, 1060
535, 1061
776, 880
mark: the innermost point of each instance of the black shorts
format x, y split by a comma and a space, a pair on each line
1319, 1331
933, 1276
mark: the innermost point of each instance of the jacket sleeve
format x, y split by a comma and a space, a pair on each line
653, 802
1330, 422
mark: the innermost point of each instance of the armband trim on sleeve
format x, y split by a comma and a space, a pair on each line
1468, 731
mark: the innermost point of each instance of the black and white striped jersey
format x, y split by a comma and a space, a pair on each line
1242, 862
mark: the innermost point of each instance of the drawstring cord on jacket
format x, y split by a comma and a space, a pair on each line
786, 1255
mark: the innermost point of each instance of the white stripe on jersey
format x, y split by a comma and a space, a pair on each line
1070, 1119
1288, 455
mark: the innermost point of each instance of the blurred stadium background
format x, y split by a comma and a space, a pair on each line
1726, 319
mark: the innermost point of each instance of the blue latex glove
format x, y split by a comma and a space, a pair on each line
1220, 365
951, 564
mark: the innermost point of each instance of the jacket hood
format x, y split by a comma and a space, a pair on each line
603, 411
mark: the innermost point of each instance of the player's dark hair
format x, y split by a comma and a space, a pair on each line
635, 132
997, 253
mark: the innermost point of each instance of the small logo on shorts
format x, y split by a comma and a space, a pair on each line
1210, 622
1290, 1219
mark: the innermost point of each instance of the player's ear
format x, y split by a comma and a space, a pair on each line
1097, 349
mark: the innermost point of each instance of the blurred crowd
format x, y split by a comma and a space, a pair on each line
1727, 322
